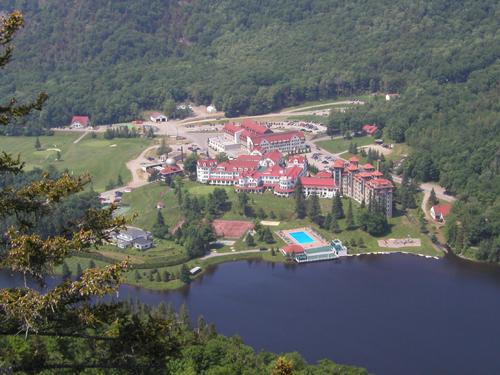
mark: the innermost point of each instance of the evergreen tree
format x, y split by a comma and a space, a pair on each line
160, 229
267, 235
337, 208
185, 275
334, 225
328, 221
165, 275
300, 203
158, 277
249, 240
92, 264
159, 218
38, 145
349, 221
314, 209
433, 198
119, 181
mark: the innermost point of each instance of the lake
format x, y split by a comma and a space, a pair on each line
393, 314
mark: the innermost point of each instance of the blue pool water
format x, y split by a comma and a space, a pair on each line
301, 238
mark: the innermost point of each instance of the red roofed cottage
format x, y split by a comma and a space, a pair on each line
79, 122
439, 212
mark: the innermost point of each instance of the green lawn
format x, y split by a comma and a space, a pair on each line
143, 202
94, 156
339, 145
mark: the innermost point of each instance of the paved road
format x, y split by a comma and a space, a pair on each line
134, 167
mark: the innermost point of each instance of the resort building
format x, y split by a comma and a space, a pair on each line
256, 137
255, 173
322, 187
363, 183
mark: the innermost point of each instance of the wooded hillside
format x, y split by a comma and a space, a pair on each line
112, 59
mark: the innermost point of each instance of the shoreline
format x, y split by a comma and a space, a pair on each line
234, 257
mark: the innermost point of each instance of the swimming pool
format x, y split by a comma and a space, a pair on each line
302, 238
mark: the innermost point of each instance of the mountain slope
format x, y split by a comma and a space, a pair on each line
110, 59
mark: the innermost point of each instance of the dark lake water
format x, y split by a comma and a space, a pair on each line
393, 314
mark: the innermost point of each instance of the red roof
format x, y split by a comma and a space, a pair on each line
318, 182
442, 209
339, 163
170, 169
83, 120
238, 164
292, 249
380, 183
369, 129
231, 128
377, 174
364, 175
354, 159
352, 168
275, 156
254, 127
274, 171
323, 174
254, 158
157, 114
293, 172
276, 137
368, 166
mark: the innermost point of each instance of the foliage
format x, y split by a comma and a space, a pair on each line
249, 240
160, 229
337, 207
314, 209
121, 132
300, 203
349, 220
163, 149
190, 165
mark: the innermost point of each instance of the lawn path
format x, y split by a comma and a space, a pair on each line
214, 255
80, 138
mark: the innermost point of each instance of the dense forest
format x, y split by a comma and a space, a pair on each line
112, 60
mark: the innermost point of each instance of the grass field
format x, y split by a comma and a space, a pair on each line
340, 145
94, 156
